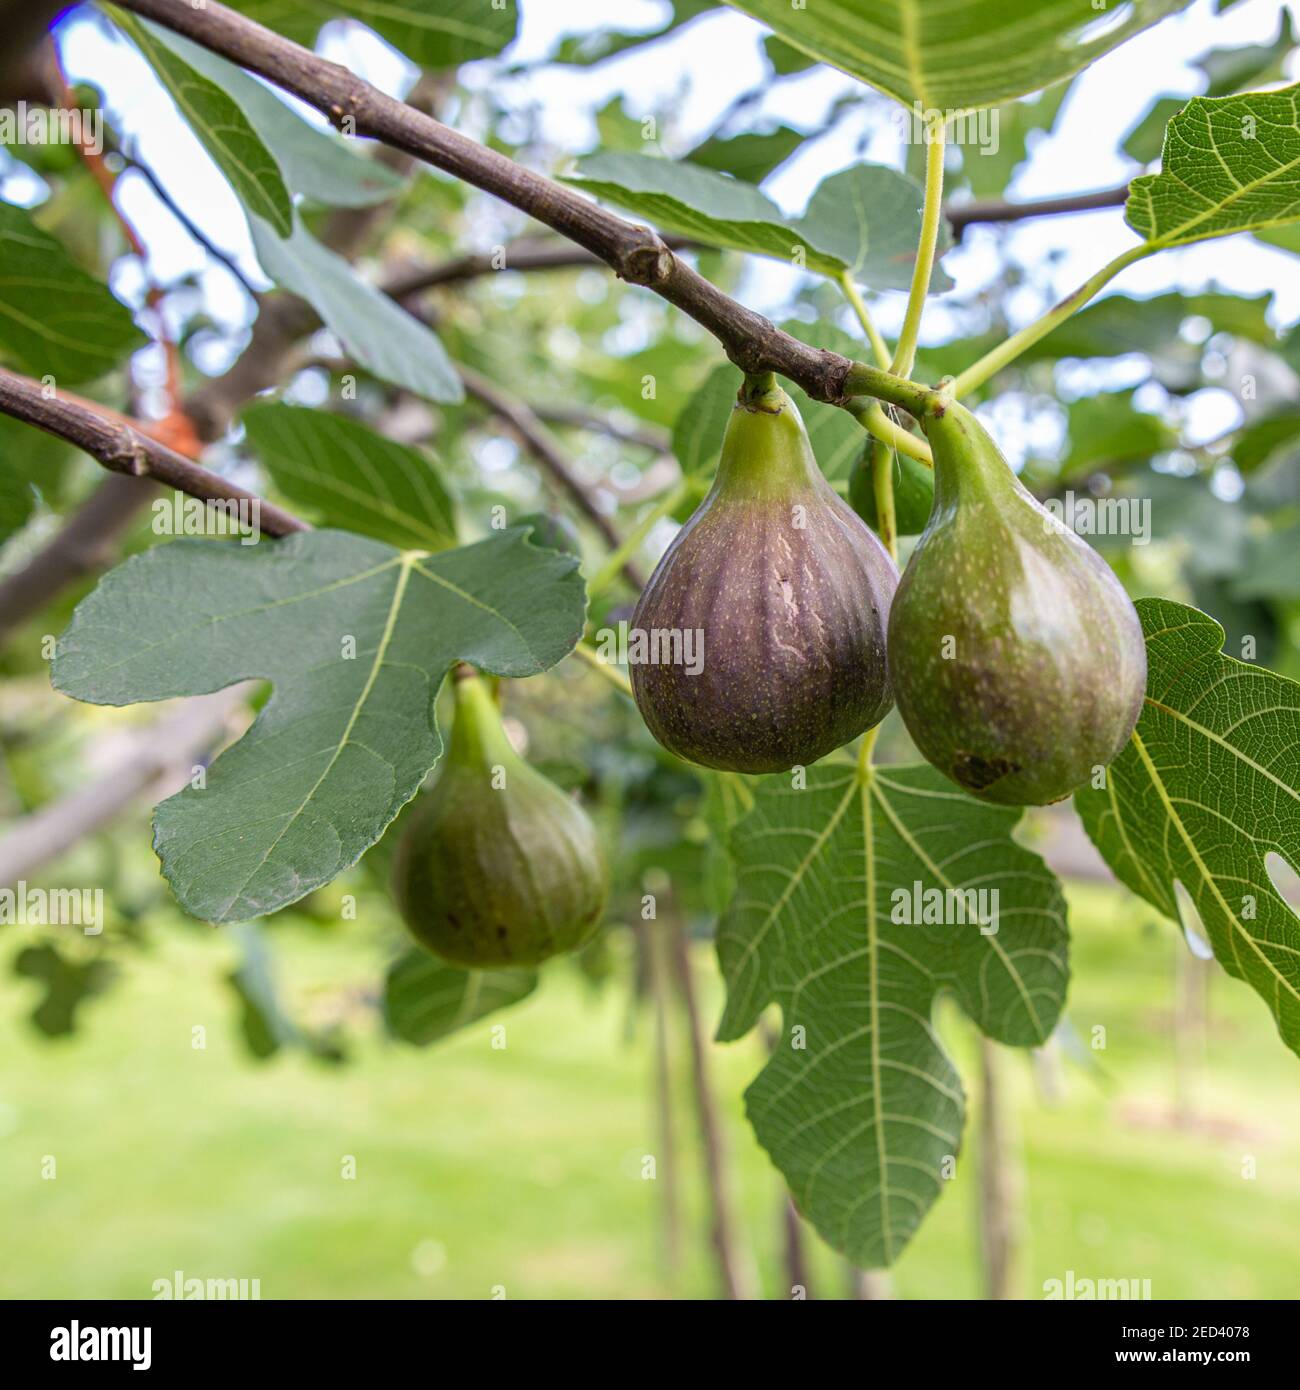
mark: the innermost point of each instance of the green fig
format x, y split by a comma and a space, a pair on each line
497, 867
763, 626
913, 492
1017, 658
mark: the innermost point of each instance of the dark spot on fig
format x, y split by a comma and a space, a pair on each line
976, 773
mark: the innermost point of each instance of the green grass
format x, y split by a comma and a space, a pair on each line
521, 1168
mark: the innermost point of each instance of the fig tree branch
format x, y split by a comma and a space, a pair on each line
964, 215
122, 448
637, 254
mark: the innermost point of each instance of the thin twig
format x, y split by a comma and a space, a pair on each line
195, 232
962, 215
548, 451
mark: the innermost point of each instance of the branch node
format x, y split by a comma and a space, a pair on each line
645, 260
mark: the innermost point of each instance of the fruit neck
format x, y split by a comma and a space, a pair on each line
765, 452
969, 470
478, 738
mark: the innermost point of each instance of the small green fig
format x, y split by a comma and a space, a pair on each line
497, 867
913, 492
1017, 658
781, 594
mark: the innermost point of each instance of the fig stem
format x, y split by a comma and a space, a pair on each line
993, 362
864, 753
477, 735
613, 564
923, 269
882, 482
598, 663
874, 420
859, 307
756, 386
862, 379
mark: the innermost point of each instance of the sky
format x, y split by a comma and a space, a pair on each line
697, 73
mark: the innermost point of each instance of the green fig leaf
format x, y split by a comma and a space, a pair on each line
380, 334
860, 1107
750, 157
981, 53
432, 33
316, 163
1208, 786
352, 477
425, 999
1228, 166
699, 427
866, 220
355, 638
221, 127
869, 218
55, 319
686, 200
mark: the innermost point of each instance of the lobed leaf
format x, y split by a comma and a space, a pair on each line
355, 638
860, 1107
1230, 164
1208, 786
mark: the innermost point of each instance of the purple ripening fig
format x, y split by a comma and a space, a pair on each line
786, 594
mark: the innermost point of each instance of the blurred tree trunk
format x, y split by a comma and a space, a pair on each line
872, 1284
1190, 1026
1001, 1185
658, 980
733, 1272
